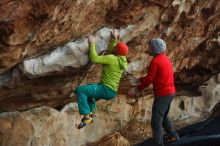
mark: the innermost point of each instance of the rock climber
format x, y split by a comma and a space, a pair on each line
113, 66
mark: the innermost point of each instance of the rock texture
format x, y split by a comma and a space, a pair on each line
190, 28
32, 27
44, 55
73, 54
46, 126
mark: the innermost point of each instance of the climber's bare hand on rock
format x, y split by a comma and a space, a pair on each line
91, 39
114, 34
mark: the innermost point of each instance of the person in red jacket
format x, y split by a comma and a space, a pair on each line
160, 73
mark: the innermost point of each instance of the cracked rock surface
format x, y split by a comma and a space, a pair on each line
44, 56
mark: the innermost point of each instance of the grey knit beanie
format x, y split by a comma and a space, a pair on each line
158, 46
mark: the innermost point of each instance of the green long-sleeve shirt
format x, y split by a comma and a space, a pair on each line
113, 66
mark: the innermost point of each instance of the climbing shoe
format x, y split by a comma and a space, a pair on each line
92, 115
85, 121
172, 138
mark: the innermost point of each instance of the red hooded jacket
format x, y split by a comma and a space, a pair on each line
160, 73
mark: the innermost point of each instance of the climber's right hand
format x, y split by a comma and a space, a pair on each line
114, 34
91, 39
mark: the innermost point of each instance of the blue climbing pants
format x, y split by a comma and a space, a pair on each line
88, 94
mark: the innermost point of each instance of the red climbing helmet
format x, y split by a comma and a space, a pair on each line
121, 49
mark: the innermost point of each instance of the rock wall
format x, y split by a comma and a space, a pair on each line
190, 28
44, 56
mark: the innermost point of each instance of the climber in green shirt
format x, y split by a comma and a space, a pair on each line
113, 66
